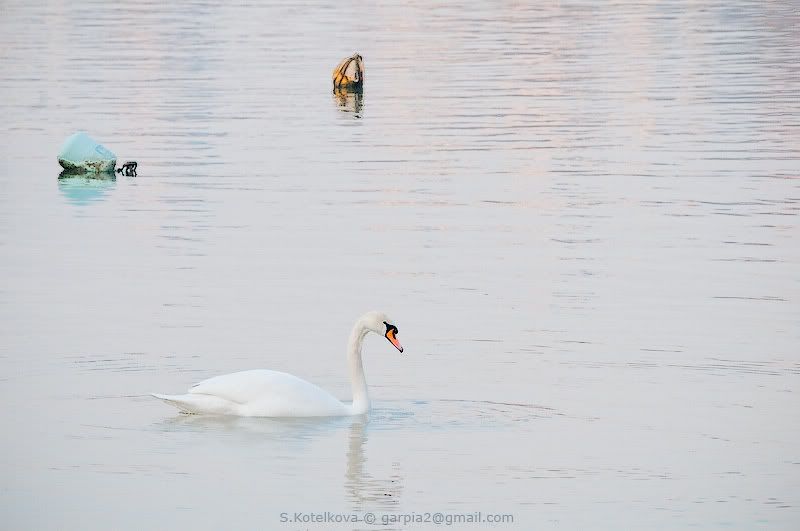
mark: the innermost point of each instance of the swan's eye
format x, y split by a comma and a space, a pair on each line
391, 328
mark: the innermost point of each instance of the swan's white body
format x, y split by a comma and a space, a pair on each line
264, 393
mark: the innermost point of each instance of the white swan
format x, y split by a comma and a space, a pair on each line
264, 393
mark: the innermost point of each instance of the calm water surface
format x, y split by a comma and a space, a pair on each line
584, 220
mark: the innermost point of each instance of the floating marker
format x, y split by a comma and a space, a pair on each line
83, 154
349, 73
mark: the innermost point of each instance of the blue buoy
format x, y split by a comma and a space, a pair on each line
83, 154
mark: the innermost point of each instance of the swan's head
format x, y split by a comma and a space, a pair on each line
381, 324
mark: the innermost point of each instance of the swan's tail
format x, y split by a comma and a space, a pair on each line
197, 404
182, 402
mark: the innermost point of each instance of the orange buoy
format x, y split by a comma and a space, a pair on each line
349, 73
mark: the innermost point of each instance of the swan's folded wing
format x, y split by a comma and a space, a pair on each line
245, 386
257, 385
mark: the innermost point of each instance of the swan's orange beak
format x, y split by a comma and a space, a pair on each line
390, 335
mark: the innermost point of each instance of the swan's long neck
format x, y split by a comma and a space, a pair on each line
357, 379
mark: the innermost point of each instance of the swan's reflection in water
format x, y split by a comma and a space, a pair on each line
365, 491
349, 101
289, 437
290, 432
